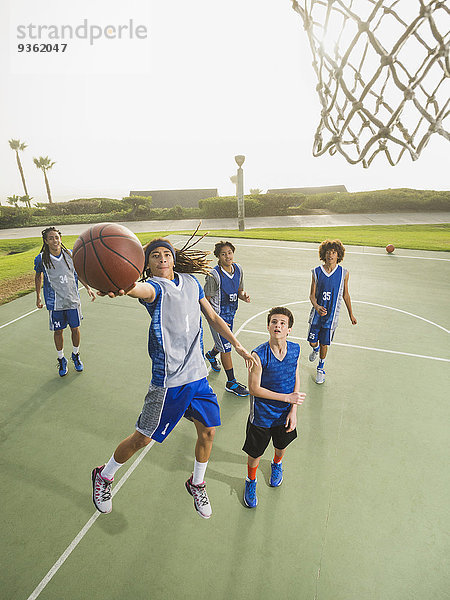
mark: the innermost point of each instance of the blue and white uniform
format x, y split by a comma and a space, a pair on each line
178, 386
60, 288
329, 293
222, 289
277, 376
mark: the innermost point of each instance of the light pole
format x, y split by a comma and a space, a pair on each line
240, 158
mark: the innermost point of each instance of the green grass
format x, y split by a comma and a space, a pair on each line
17, 256
21, 261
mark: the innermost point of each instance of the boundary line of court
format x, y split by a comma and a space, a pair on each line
74, 543
293, 337
25, 315
234, 241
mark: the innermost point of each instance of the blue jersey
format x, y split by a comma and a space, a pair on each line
329, 291
175, 337
277, 376
60, 282
223, 288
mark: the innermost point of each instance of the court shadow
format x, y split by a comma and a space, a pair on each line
28, 408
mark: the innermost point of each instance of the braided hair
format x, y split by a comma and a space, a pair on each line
186, 260
46, 251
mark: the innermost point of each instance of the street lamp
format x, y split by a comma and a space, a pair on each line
240, 158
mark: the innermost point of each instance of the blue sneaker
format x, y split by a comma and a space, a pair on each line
215, 364
77, 362
276, 476
236, 388
62, 366
250, 499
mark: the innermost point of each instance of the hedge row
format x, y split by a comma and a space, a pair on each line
135, 208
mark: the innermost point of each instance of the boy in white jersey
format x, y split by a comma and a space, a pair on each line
329, 286
54, 268
179, 387
274, 386
224, 287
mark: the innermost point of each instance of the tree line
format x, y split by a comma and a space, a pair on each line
44, 163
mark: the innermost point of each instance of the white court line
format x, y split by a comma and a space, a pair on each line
346, 252
71, 547
18, 318
293, 337
25, 315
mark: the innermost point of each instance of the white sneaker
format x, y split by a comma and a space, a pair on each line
314, 354
101, 491
320, 377
201, 501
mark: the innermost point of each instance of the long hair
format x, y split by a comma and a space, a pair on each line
186, 260
46, 251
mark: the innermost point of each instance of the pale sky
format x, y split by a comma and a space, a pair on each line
171, 110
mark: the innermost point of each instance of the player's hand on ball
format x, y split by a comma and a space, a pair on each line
112, 294
296, 398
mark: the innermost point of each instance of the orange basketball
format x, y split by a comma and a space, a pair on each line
108, 257
390, 248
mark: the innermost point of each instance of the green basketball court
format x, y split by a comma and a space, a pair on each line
363, 509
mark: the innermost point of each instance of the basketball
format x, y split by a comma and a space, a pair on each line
390, 248
108, 257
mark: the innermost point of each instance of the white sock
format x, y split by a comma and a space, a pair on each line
110, 468
60, 353
199, 472
76, 349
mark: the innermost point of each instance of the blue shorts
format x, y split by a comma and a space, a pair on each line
164, 407
59, 319
324, 335
220, 343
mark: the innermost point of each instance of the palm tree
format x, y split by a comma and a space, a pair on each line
16, 145
13, 200
44, 163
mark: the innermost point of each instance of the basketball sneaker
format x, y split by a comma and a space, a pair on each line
236, 388
215, 364
314, 354
276, 475
77, 362
101, 491
250, 499
320, 377
62, 366
201, 501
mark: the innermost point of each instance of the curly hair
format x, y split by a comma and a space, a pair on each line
186, 260
46, 251
281, 310
331, 245
220, 245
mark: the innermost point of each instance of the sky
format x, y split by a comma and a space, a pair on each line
188, 86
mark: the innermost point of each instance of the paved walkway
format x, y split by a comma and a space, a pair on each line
405, 218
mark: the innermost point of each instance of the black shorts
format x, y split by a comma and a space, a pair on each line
258, 438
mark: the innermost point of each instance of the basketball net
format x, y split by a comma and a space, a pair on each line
384, 75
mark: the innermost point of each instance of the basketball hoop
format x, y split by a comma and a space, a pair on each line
383, 75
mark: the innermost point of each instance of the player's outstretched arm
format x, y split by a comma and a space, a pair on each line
141, 290
222, 328
348, 303
255, 388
